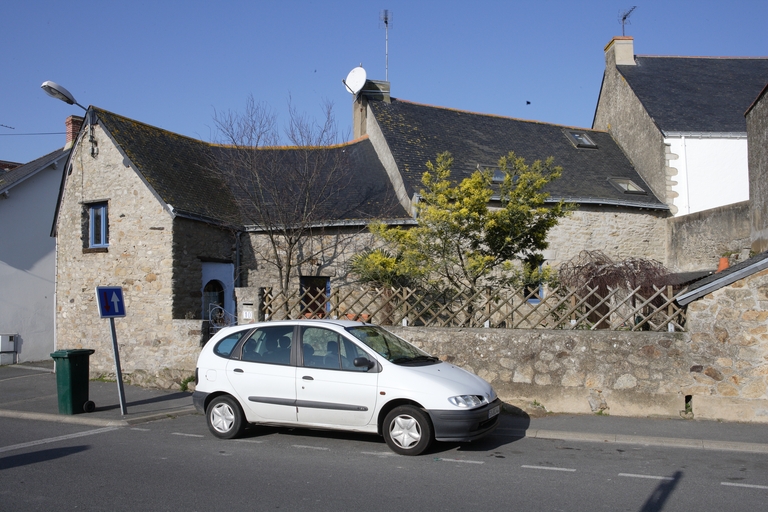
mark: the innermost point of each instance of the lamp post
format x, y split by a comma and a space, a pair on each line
57, 91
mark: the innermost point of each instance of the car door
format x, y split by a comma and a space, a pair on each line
264, 376
330, 390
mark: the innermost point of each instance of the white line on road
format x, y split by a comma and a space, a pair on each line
311, 447
650, 477
140, 429
381, 454
750, 486
56, 439
185, 435
464, 461
549, 468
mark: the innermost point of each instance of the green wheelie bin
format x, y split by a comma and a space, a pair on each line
72, 380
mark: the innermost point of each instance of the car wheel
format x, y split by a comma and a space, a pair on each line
407, 430
225, 418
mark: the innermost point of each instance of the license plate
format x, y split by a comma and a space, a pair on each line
493, 412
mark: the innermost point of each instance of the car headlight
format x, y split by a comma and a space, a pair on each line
468, 401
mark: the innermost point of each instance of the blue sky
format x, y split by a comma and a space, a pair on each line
172, 64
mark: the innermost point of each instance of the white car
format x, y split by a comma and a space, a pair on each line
340, 375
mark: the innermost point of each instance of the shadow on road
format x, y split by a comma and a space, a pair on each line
655, 502
25, 459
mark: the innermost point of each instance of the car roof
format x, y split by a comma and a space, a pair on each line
303, 321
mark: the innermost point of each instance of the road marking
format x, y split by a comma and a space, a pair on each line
56, 439
140, 429
381, 454
311, 447
249, 441
185, 435
750, 486
548, 468
464, 461
650, 477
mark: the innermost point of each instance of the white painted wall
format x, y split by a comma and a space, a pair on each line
27, 259
712, 171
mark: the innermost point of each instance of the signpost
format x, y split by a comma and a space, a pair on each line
111, 305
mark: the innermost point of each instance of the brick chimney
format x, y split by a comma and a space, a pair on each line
73, 124
620, 51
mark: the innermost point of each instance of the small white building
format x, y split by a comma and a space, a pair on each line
28, 196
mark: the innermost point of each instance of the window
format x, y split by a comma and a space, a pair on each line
323, 348
98, 222
627, 186
269, 345
580, 139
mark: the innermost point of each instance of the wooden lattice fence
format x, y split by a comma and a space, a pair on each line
510, 308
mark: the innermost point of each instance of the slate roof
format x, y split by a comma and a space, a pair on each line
178, 168
11, 178
417, 133
697, 94
730, 275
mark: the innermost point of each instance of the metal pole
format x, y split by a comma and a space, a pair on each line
118, 371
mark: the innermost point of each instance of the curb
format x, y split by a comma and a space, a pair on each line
97, 422
668, 442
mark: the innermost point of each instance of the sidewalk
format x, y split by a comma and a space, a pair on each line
29, 392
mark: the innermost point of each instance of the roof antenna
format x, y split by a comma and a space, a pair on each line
624, 18
386, 17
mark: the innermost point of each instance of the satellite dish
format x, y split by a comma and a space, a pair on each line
355, 80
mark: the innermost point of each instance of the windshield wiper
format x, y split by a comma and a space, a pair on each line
416, 359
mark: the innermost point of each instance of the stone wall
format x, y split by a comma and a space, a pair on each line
757, 130
618, 232
729, 328
697, 241
620, 112
619, 373
194, 243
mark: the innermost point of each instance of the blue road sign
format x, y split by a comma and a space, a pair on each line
110, 299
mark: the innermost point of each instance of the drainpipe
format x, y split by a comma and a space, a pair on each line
237, 259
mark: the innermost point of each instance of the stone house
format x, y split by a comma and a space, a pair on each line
617, 212
152, 211
27, 253
681, 122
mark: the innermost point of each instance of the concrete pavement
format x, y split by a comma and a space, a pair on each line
28, 391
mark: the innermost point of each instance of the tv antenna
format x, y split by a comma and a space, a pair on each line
386, 18
624, 18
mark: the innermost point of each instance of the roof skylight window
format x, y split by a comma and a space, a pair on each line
627, 186
580, 139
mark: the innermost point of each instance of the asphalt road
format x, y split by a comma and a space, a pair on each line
175, 464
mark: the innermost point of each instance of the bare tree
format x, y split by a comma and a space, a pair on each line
290, 194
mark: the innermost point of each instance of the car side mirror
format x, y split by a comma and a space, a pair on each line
361, 362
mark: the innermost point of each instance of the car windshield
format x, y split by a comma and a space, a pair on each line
395, 349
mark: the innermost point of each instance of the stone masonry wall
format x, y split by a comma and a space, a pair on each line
612, 372
619, 232
194, 243
729, 328
757, 130
697, 241
138, 258
620, 112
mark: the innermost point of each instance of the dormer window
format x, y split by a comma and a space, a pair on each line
580, 139
627, 186
498, 176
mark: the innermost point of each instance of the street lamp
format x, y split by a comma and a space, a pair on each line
55, 90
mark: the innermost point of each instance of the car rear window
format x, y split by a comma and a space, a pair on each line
225, 346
